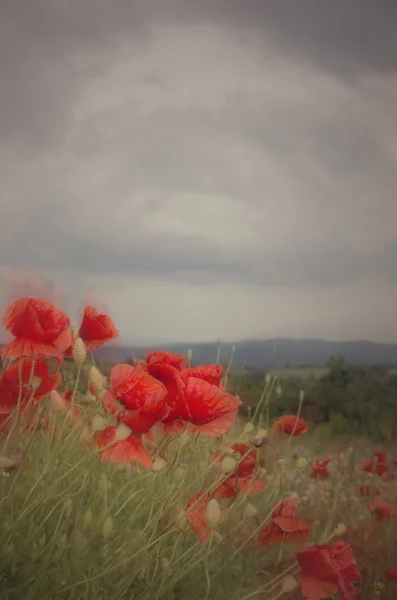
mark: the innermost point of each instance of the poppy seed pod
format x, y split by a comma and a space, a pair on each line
79, 352
289, 584
159, 464
228, 464
249, 511
249, 427
213, 513
122, 433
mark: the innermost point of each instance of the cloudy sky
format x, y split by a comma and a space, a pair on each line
203, 168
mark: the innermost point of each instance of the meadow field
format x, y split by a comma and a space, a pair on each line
153, 480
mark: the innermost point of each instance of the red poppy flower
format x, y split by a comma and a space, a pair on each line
243, 479
39, 328
172, 380
143, 397
130, 449
381, 509
391, 574
387, 477
320, 468
210, 373
36, 380
291, 424
96, 329
178, 361
212, 410
285, 526
377, 464
368, 490
197, 518
327, 570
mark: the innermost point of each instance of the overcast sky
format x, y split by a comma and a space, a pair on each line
203, 168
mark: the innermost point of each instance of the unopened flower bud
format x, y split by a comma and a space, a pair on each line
5, 462
301, 395
107, 527
340, 529
261, 432
122, 432
79, 352
165, 564
278, 391
213, 513
249, 511
267, 378
98, 423
301, 463
228, 464
35, 383
68, 506
87, 519
189, 354
179, 473
97, 381
159, 464
249, 427
289, 584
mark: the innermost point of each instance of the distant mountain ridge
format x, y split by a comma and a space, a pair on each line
271, 353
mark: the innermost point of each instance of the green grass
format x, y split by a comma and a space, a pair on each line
72, 527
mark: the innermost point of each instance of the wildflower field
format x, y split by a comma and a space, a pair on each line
148, 484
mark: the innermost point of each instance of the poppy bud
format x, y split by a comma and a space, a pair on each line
5, 462
68, 506
103, 483
87, 519
189, 354
181, 521
98, 423
179, 473
301, 395
122, 433
107, 527
97, 381
249, 427
159, 464
165, 564
228, 464
289, 584
340, 529
79, 352
261, 432
35, 383
213, 513
278, 391
249, 511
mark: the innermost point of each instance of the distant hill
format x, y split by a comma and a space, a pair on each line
274, 353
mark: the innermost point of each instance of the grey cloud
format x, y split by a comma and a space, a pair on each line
200, 261
177, 150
